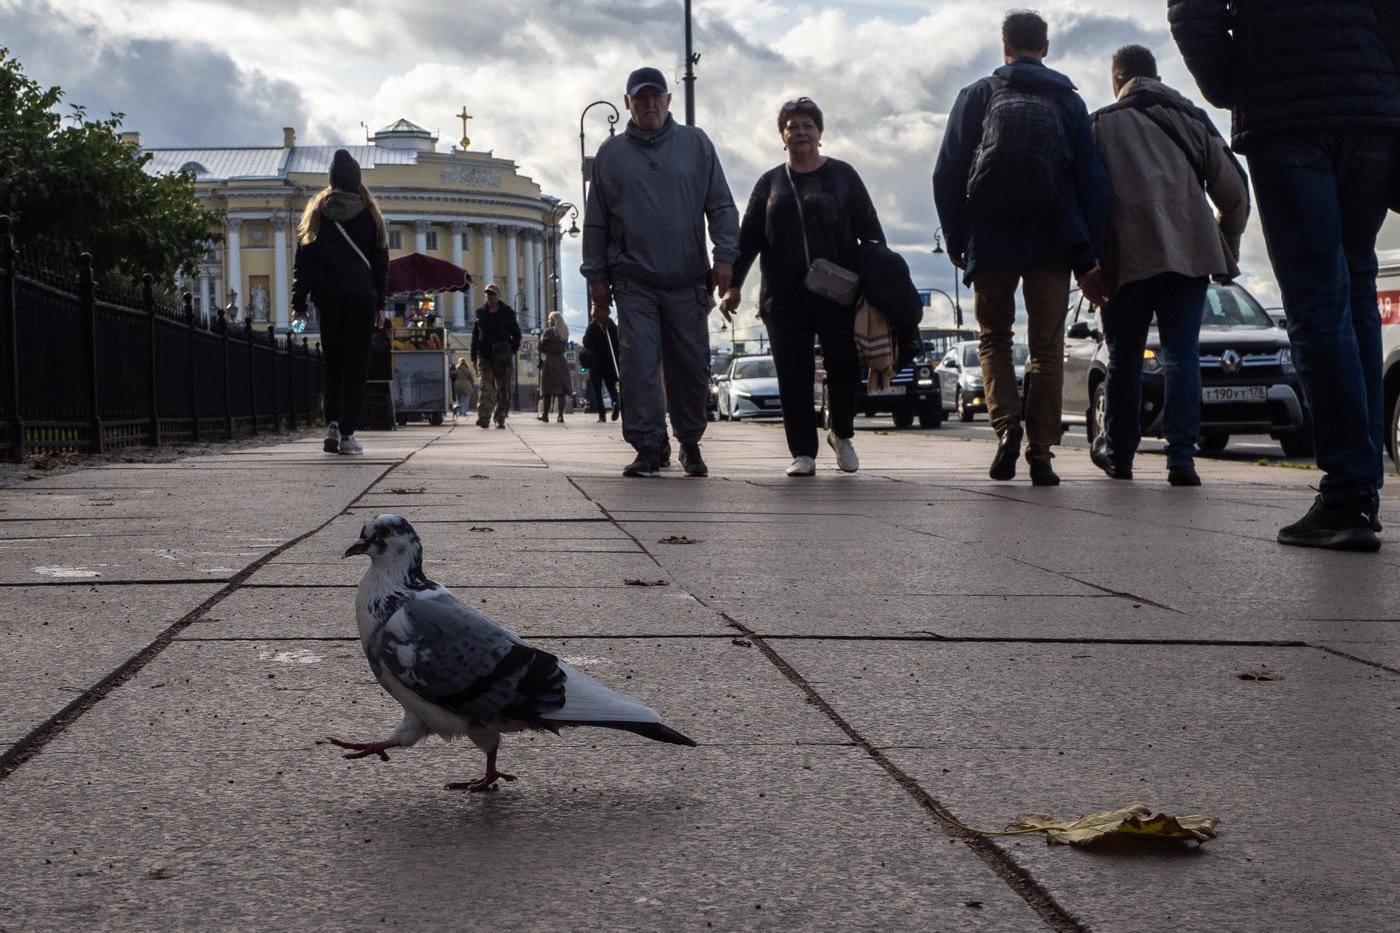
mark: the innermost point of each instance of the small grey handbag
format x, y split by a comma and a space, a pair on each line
824, 278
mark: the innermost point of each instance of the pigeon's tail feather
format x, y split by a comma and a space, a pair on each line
649, 730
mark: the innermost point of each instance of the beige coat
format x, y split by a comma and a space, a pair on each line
1159, 220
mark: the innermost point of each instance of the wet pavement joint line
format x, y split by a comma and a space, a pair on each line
41, 735
997, 859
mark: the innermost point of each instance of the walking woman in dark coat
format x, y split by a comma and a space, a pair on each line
837, 217
342, 265
555, 380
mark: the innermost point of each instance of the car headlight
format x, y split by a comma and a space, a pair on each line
743, 393
1151, 363
925, 375
1285, 357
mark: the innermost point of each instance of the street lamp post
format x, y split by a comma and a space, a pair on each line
585, 161
957, 279
957, 318
556, 214
691, 57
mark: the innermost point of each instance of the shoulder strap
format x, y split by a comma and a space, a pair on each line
1143, 104
358, 252
801, 220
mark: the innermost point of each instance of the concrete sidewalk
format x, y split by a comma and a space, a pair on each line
855, 654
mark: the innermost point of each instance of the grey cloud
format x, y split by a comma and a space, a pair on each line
174, 94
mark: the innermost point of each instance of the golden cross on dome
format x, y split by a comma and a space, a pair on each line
464, 117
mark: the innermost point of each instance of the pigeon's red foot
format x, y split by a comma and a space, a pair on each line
485, 782
364, 749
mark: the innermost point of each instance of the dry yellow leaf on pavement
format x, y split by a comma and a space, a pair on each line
1135, 821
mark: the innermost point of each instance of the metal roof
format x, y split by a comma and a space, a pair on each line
229, 164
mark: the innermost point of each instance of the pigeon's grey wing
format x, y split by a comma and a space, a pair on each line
457, 658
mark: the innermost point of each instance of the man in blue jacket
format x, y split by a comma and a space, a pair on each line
1023, 199
1314, 94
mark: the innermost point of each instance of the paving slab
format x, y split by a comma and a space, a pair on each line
1287, 765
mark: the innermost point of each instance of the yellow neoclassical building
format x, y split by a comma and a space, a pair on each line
470, 208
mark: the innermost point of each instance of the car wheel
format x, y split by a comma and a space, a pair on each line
1299, 443
960, 403
1096, 425
1395, 433
435, 419
903, 416
931, 414
1213, 443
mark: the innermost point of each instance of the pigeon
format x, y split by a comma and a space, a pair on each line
456, 672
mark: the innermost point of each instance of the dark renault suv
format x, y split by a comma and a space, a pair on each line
1248, 384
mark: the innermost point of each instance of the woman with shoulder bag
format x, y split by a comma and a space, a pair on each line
807, 219
342, 264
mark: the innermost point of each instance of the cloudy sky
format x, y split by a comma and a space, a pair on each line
234, 72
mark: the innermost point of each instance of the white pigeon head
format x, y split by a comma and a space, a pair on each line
391, 544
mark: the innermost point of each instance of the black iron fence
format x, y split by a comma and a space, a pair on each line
89, 369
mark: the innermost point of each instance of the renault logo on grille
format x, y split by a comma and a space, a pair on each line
1230, 362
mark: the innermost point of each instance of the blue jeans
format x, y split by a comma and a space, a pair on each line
1179, 302
1322, 197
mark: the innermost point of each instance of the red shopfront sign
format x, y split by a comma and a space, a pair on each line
1390, 306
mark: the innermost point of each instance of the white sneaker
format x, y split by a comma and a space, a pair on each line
350, 447
331, 444
802, 466
846, 457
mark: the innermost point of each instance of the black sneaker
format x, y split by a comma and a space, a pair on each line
1376, 512
1183, 476
1042, 474
1008, 452
1337, 527
1098, 455
691, 460
664, 458
646, 464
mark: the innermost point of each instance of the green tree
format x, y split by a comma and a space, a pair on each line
79, 188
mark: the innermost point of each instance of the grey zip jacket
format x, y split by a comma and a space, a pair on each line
651, 195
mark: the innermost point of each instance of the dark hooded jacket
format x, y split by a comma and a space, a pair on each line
1289, 66
328, 270
1074, 227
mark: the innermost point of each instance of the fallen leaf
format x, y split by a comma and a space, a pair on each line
480, 528
677, 539
1259, 673
409, 490
742, 643
1134, 822
644, 582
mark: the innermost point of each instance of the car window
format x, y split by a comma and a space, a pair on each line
1020, 354
756, 368
951, 358
970, 360
1232, 307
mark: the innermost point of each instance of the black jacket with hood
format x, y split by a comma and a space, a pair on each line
328, 270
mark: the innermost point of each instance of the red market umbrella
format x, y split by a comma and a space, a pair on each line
418, 273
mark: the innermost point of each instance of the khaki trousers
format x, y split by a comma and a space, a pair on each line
1045, 287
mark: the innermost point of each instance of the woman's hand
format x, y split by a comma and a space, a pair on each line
730, 302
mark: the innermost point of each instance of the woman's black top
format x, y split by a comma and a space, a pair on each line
839, 217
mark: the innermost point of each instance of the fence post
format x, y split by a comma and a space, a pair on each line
276, 383
292, 420
87, 309
194, 368
228, 395
148, 298
252, 378
9, 326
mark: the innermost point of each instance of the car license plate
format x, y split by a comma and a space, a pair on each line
892, 390
1235, 394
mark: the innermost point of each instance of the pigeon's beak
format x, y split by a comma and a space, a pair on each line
359, 547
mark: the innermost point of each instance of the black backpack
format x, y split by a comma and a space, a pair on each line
1021, 162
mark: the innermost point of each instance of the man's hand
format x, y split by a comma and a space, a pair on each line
600, 300
1091, 284
722, 275
730, 303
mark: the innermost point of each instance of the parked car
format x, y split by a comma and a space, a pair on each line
913, 392
960, 377
1388, 295
1248, 383
749, 389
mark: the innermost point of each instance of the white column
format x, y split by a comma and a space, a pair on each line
488, 254
458, 300
281, 283
512, 288
532, 269
420, 236
233, 252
